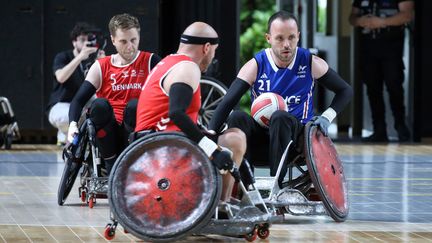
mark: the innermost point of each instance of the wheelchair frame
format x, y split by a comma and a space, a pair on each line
212, 91
83, 153
252, 215
248, 217
8, 132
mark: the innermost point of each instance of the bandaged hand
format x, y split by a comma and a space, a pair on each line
322, 123
72, 131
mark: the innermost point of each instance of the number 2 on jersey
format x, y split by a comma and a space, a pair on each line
263, 83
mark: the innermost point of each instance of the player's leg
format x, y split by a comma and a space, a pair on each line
107, 131
235, 140
59, 118
283, 128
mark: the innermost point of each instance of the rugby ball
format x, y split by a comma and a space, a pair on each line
264, 106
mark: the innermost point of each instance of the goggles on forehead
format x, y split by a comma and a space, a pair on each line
195, 40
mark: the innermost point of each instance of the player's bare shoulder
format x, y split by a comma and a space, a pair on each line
249, 71
184, 72
319, 67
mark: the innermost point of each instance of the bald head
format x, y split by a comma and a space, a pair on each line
199, 41
200, 29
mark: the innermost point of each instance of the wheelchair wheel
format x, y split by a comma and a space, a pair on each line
326, 171
163, 188
70, 173
212, 92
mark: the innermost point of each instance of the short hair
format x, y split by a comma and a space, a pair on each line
80, 28
123, 21
283, 15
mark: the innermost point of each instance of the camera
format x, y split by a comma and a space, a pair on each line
96, 39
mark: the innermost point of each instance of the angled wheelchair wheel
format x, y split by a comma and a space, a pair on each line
74, 155
163, 188
70, 173
212, 92
326, 171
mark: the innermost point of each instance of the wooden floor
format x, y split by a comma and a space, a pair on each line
390, 193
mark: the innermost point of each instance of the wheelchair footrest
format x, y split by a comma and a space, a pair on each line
244, 221
98, 185
296, 203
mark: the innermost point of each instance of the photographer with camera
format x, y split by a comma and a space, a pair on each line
70, 68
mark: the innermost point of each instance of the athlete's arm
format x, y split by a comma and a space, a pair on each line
331, 80
64, 73
87, 89
180, 84
85, 92
180, 97
245, 78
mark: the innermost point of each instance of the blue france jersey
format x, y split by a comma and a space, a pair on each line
294, 83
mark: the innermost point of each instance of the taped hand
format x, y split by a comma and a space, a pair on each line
322, 123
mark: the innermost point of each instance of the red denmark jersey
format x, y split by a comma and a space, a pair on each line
123, 83
153, 104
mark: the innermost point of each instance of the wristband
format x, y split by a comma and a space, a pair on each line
329, 114
208, 146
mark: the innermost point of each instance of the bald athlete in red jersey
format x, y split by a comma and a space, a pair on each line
125, 81
157, 118
170, 101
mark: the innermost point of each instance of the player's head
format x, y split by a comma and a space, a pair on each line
125, 35
283, 35
78, 35
201, 39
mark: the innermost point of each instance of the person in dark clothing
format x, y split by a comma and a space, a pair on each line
69, 69
381, 44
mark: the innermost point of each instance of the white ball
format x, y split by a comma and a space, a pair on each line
264, 106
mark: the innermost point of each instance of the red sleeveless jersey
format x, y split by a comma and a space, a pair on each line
123, 83
153, 104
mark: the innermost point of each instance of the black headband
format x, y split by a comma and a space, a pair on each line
187, 39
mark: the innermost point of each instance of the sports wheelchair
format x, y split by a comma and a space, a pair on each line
164, 188
212, 92
84, 152
9, 130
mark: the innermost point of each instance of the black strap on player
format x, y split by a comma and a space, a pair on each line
196, 40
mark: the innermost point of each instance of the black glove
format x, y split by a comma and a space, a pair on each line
322, 123
221, 157
223, 161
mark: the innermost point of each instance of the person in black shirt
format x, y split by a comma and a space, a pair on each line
70, 68
381, 43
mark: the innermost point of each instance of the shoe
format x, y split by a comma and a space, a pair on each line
375, 138
403, 133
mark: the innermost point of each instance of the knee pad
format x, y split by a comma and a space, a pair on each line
101, 112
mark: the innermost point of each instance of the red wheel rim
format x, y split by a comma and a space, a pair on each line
163, 188
160, 192
326, 172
